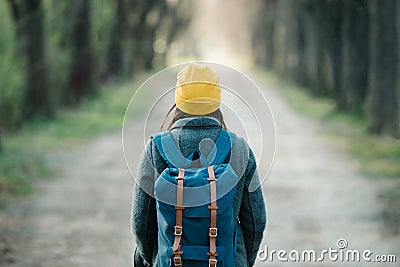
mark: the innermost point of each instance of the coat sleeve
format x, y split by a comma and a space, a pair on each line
143, 216
252, 213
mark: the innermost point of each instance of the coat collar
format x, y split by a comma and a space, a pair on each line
196, 122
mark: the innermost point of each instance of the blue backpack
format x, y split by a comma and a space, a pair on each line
196, 222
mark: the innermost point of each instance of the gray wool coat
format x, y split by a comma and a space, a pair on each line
249, 207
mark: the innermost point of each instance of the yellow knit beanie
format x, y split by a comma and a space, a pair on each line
197, 90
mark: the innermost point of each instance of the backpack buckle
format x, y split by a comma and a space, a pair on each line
178, 261
212, 232
212, 263
178, 230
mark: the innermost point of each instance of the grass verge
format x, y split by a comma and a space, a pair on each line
378, 156
22, 158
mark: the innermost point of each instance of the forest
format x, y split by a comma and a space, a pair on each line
55, 53
345, 49
329, 71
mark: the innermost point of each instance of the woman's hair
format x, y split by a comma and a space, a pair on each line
179, 114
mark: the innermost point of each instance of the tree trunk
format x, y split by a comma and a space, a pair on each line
29, 17
291, 40
300, 73
323, 36
160, 9
258, 38
382, 104
269, 33
82, 69
280, 38
312, 42
115, 62
174, 19
37, 97
148, 51
17, 10
334, 48
355, 55
138, 33
398, 70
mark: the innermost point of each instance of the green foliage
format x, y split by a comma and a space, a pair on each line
96, 115
322, 108
26, 134
72, 55
23, 158
18, 168
58, 51
379, 156
11, 78
103, 16
336, 48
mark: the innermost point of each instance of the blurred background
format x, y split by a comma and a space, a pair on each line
329, 68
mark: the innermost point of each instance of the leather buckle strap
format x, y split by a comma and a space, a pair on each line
213, 232
212, 255
212, 263
181, 174
178, 261
176, 247
178, 230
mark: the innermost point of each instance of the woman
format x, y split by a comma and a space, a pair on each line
197, 116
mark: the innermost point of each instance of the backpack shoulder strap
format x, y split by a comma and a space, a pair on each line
169, 150
223, 145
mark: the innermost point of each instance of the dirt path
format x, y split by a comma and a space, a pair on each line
81, 217
315, 195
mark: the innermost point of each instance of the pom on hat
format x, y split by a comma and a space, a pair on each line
197, 90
